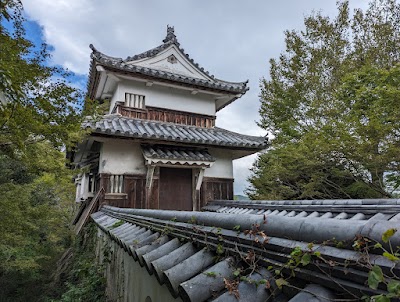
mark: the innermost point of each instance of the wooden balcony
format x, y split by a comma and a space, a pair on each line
166, 115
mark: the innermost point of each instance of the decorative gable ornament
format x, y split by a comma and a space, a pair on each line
172, 59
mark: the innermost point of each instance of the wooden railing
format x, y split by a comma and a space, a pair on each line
91, 207
166, 115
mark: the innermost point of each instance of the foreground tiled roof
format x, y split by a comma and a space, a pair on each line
116, 125
124, 65
354, 209
178, 258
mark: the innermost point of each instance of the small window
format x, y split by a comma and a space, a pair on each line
134, 100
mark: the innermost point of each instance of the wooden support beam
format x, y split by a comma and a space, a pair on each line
149, 183
197, 180
200, 179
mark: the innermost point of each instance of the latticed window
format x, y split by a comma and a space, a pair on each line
134, 100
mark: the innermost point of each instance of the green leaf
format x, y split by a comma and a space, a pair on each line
281, 282
220, 249
378, 246
116, 224
306, 259
375, 276
388, 234
394, 287
210, 274
380, 298
390, 256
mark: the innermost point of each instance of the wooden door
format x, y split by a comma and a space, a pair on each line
175, 189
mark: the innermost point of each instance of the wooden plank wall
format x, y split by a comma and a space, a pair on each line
135, 189
215, 188
167, 115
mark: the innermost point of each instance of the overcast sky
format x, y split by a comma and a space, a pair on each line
232, 39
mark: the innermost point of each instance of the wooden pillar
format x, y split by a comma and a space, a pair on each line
104, 181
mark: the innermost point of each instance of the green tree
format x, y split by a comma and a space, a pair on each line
364, 128
330, 105
36, 102
35, 214
40, 116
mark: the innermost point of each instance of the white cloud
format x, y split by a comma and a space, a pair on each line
232, 39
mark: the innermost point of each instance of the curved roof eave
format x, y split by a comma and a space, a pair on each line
118, 126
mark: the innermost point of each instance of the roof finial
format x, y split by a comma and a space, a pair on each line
171, 38
93, 48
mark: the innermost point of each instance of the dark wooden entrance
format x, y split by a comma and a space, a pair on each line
175, 189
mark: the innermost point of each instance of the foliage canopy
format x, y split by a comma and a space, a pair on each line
37, 103
331, 105
39, 117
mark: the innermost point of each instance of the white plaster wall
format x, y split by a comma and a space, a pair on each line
116, 97
126, 279
222, 167
82, 188
166, 97
120, 156
78, 191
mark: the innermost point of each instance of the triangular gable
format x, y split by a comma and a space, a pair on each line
171, 60
167, 62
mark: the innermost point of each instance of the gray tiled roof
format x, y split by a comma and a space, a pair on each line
123, 65
186, 276
116, 125
353, 209
176, 153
